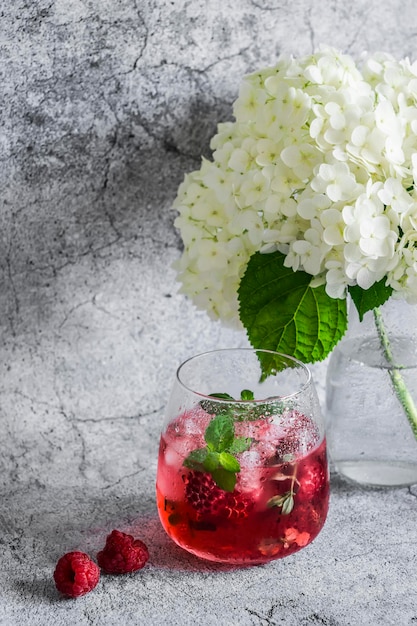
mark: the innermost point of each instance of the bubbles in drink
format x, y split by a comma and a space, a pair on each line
278, 504
186, 432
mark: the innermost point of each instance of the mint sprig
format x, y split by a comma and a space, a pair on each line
218, 457
242, 409
285, 501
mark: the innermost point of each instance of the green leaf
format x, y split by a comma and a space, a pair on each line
224, 479
288, 504
281, 312
367, 299
229, 462
234, 408
221, 396
218, 457
285, 502
195, 460
211, 461
220, 433
247, 394
240, 444
275, 501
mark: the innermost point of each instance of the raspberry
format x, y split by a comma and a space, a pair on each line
76, 574
210, 501
312, 481
122, 554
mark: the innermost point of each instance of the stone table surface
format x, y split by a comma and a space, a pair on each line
106, 104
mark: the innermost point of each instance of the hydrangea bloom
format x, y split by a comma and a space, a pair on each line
320, 164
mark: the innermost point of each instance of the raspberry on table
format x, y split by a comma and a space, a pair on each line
122, 554
76, 574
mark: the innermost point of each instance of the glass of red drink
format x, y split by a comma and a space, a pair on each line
242, 470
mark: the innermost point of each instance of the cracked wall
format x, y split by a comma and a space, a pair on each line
106, 104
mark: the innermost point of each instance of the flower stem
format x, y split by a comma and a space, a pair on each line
400, 388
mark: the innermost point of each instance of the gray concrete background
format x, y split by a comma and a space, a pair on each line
105, 105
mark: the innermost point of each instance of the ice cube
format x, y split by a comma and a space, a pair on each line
251, 470
172, 458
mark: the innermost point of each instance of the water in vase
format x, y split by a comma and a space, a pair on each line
370, 439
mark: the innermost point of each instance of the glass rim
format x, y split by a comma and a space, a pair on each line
271, 399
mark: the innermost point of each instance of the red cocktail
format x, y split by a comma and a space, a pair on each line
242, 480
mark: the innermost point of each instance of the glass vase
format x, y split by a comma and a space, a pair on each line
371, 397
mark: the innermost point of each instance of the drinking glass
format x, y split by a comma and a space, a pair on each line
242, 472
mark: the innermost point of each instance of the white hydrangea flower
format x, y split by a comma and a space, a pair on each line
250, 100
308, 253
393, 194
336, 181
301, 159
320, 164
403, 276
336, 279
254, 189
333, 227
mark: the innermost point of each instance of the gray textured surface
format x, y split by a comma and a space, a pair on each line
105, 105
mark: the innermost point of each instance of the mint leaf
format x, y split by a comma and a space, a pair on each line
235, 410
218, 457
285, 502
240, 444
224, 479
220, 433
211, 461
367, 299
221, 396
228, 462
195, 460
247, 394
288, 504
281, 312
